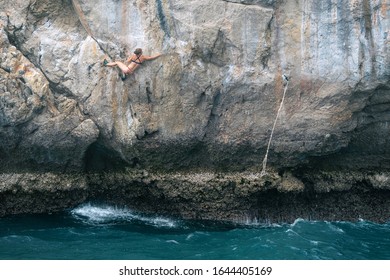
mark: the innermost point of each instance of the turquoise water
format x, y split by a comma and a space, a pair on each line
105, 232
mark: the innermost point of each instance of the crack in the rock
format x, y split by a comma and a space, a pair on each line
53, 86
261, 3
78, 10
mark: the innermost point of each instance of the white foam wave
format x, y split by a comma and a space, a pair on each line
255, 222
172, 241
159, 221
93, 214
101, 214
297, 221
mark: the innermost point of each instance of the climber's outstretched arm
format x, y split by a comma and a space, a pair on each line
151, 57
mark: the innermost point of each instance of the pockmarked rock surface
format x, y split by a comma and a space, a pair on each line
208, 104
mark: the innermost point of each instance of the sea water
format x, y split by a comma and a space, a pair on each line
91, 232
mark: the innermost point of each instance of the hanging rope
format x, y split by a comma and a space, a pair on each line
263, 171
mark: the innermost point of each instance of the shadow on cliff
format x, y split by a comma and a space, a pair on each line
100, 158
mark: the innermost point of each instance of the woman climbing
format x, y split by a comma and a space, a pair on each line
132, 63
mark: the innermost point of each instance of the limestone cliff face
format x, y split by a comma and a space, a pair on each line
210, 100
207, 105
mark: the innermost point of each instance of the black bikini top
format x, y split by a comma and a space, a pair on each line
135, 61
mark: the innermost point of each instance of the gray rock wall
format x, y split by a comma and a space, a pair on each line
210, 101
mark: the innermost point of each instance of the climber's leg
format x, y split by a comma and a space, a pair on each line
121, 65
